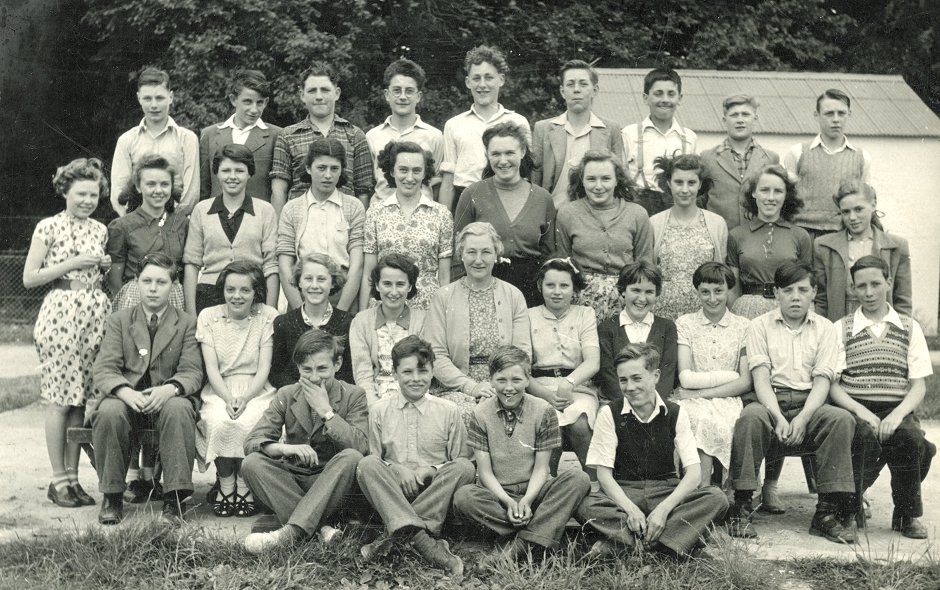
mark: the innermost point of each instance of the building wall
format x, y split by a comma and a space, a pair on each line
906, 175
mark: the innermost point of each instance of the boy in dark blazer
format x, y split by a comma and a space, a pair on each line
148, 374
305, 478
249, 94
640, 284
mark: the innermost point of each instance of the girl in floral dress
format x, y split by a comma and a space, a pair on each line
684, 236
68, 250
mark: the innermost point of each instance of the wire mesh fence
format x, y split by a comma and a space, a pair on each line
19, 306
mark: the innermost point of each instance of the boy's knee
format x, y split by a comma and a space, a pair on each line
368, 466
576, 478
252, 464
110, 411
464, 468
348, 458
178, 408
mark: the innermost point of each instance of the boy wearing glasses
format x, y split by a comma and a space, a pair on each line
404, 82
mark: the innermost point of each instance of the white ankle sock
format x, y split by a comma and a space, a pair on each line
243, 489
227, 485
132, 475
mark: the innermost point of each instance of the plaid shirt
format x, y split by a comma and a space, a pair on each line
290, 152
547, 436
740, 160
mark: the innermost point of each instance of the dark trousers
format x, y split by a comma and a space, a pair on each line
554, 505
112, 426
829, 434
299, 495
907, 454
684, 527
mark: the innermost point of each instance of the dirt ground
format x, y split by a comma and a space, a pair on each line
25, 511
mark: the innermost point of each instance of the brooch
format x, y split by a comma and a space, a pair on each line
143, 352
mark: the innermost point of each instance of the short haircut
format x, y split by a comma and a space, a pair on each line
236, 153
577, 64
252, 80
326, 146
870, 261
514, 130
509, 356
405, 67
834, 94
791, 272
388, 157
791, 203
478, 228
160, 260
661, 75
637, 272
486, 54
151, 76
856, 186
319, 68
412, 345
625, 188
131, 198
80, 169
715, 273
562, 265
687, 162
249, 269
737, 100
398, 262
315, 341
336, 273
649, 353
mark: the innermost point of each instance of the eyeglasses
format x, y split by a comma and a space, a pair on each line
407, 92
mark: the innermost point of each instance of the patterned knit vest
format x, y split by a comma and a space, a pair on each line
820, 175
876, 368
512, 457
645, 451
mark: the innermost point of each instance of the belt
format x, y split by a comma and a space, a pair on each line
765, 290
551, 372
73, 285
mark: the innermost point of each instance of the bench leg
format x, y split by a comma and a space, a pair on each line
809, 470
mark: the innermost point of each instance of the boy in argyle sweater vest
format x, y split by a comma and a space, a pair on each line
883, 360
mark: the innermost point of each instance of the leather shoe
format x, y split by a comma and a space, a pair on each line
173, 509
740, 521
909, 526
82, 495
827, 525
66, 498
112, 509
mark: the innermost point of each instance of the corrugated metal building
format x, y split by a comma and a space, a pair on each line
888, 119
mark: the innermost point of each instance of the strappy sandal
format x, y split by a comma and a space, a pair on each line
225, 505
244, 507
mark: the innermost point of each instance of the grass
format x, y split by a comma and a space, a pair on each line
142, 553
18, 392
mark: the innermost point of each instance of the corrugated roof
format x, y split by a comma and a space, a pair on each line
881, 105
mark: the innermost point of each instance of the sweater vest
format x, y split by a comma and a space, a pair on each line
876, 368
645, 451
512, 457
820, 175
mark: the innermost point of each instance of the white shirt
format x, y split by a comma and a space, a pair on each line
429, 138
636, 331
326, 230
603, 449
655, 144
240, 136
464, 154
918, 355
792, 159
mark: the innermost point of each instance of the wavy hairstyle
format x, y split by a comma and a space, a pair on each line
791, 203
131, 196
625, 188
80, 169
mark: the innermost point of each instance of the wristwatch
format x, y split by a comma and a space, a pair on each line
328, 416
179, 390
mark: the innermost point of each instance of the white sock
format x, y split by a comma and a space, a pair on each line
132, 475
148, 473
227, 485
769, 487
243, 489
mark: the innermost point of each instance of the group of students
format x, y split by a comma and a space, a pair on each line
609, 292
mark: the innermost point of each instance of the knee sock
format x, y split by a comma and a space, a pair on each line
243, 488
227, 485
60, 480
72, 474
132, 475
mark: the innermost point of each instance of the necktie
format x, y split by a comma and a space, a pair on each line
152, 326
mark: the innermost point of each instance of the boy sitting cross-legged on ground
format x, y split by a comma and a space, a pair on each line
635, 440
304, 479
513, 435
418, 459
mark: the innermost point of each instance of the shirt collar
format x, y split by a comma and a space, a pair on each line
755, 224
500, 111
548, 315
421, 405
846, 144
307, 123
868, 235
418, 124
595, 121
626, 320
219, 207
160, 313
309, 322
169, 123
778, 317
335, 198
230, 123
404, 320
723, 322
519, 410
726, 146
660, 407
392, 200
861, 321
648, 122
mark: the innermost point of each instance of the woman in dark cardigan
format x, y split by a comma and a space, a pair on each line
639, 284
317, 277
